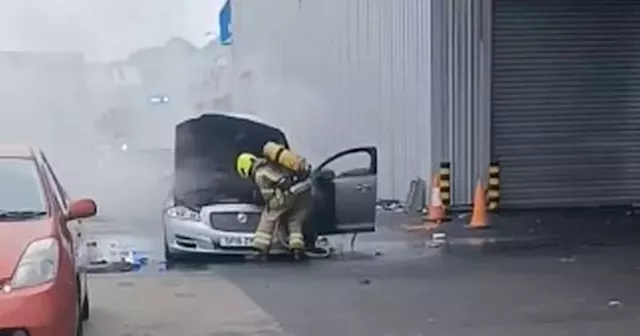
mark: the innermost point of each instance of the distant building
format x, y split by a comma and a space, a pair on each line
114, 92
165, 71
211, 69
43, 95
141, 98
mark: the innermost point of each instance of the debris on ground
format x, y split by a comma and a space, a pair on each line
438, 239
389, 205
614, 303
365, 282
112, 256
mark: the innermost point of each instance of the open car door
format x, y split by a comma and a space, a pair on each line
345, 192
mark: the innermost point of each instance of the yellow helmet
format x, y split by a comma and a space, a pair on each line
244, 163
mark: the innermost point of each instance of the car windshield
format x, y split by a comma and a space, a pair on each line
21, 193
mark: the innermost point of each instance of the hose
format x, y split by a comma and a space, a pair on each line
318, 252
325, 254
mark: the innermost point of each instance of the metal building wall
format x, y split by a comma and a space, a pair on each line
336, 74
461, 37
566, 102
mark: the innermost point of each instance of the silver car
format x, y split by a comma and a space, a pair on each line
213, 211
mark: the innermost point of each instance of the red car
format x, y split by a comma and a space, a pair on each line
43, 284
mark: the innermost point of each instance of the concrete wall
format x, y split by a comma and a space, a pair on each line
336, 74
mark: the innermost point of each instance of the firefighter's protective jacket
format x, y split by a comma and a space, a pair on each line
278, 187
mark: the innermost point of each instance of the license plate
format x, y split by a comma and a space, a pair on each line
235, 241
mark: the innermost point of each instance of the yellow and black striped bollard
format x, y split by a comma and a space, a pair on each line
445, 184
493, 188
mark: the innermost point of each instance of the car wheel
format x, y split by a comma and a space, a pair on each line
168, 256
310, 241
80, 321
80, 329
85, 309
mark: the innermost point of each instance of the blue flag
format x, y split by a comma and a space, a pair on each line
224, 18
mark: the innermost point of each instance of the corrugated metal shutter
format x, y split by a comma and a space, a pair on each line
566, 102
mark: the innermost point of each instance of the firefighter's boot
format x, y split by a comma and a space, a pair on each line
261, 242
296, 241
264, 233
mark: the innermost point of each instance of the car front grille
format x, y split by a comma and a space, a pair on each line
230, 222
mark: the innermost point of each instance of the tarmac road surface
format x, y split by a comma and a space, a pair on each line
392, 285
173, 304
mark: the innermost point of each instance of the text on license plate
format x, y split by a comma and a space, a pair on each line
235, 241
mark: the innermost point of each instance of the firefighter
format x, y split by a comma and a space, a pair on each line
288, 200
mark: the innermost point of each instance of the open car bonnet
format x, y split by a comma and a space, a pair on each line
205, 155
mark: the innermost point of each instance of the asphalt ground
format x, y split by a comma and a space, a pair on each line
394, 284
174, 304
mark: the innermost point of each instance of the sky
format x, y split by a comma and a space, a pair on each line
104, 29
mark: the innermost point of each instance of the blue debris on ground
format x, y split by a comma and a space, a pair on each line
111, 255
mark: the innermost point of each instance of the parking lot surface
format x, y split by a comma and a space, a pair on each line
174, 304
392, 284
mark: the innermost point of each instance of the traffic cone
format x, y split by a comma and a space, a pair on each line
479, 218
435, 208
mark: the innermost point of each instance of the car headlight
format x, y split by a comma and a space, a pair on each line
184, 213
38, 265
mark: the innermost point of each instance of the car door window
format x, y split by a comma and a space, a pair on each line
346, 195
354, 164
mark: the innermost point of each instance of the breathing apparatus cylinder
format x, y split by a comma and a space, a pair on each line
279, 154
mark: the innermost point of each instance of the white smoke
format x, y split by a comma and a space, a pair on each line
104, 29
53, 73
287, 104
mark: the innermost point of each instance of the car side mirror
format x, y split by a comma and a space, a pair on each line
82, 208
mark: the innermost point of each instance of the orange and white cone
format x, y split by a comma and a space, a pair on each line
435, 209
479, 217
